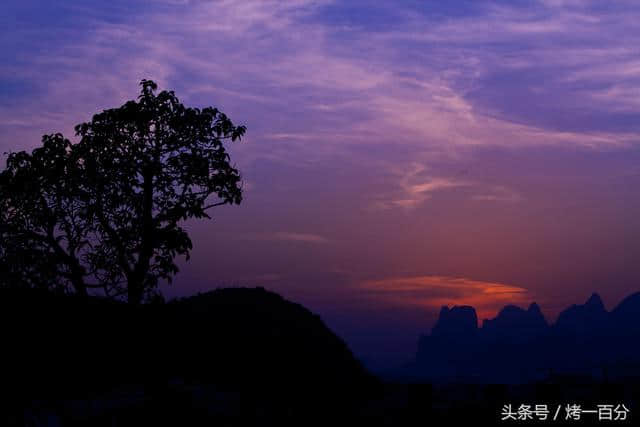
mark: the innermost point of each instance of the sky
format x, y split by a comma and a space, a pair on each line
399, 155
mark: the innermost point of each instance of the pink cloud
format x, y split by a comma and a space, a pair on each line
432, 292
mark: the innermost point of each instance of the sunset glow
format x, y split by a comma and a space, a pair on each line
399, 156
436, 291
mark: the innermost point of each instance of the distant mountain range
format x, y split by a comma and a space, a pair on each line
520, 346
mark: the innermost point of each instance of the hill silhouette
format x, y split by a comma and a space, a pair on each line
235, 353
262, 335
245, 356
519, 346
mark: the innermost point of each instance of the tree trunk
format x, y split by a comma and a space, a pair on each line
136, 283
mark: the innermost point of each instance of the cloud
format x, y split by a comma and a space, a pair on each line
435, 291
414, 185
414, 188
372, 84
312, 89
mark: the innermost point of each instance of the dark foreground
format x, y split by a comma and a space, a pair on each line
186, 404
238, 357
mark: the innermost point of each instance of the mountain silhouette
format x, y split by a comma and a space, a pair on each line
586, 318
459, 321
242, 353
519, 346
245, 334
626, 316
515, 324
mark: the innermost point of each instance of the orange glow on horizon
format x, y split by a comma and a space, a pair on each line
488, 298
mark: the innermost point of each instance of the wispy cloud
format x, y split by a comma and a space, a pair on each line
415, 186
436, 291
254, 50
313, 89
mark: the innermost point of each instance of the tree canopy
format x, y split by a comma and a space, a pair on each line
104, 215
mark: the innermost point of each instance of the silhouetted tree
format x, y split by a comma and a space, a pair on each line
44, 226
106, 212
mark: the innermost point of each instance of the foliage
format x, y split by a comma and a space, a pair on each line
106, 213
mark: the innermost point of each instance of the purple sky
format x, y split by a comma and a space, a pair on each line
399, 155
